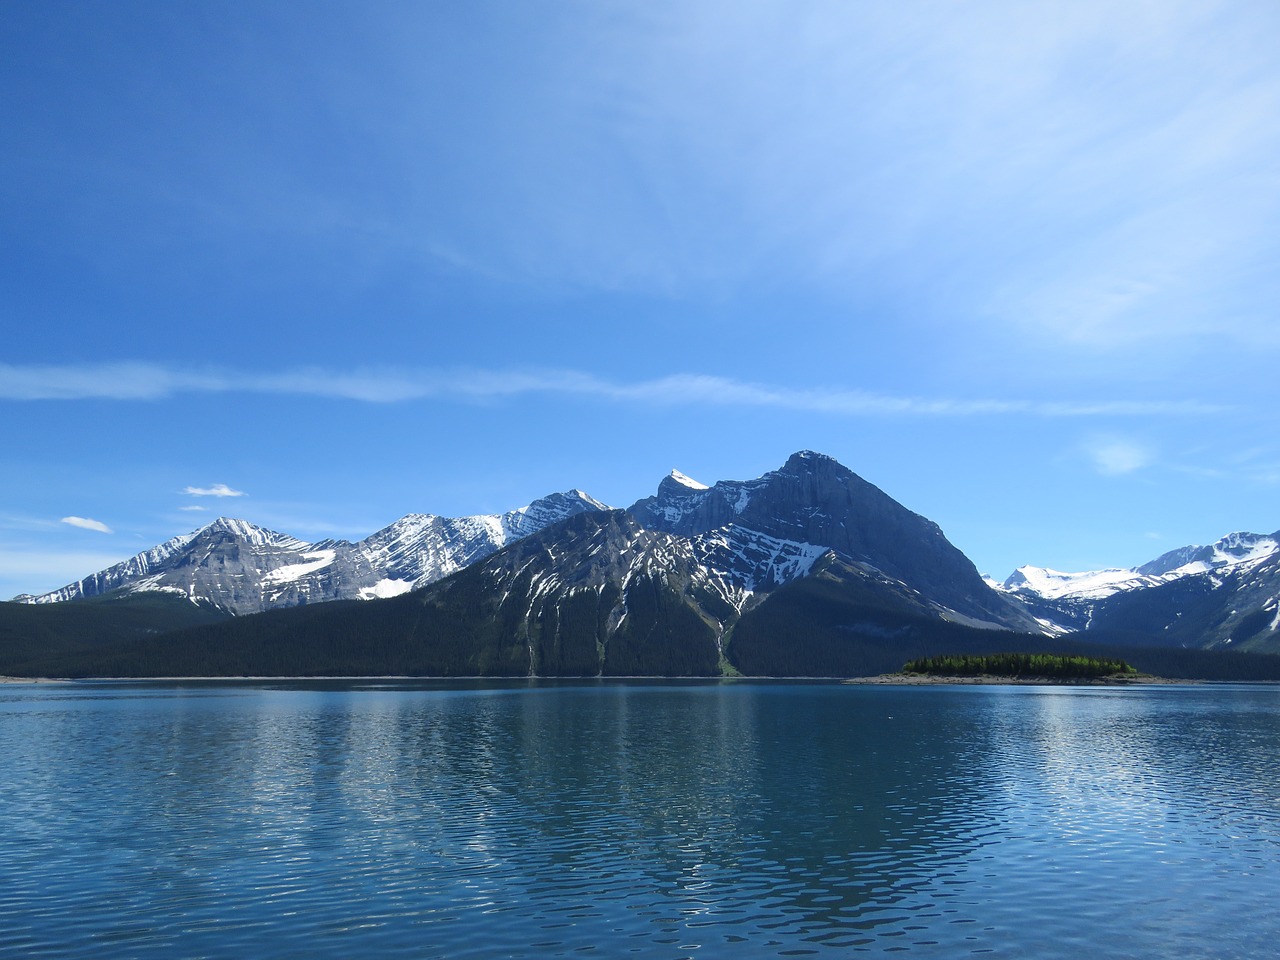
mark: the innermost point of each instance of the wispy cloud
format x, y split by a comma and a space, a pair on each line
139, 381
194, 508
1105, 180
217, 490
84, 523
1116, 456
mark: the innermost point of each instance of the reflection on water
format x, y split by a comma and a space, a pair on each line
656, 820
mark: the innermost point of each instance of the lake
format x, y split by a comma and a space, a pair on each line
642, 819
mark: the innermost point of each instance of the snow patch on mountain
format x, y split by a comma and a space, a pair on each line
385, 588
1234, 548
296, 571
1053, 584
753, 560
125, 573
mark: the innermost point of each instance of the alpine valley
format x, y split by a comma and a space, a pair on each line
808, 570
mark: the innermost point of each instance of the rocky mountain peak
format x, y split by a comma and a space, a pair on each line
814, 499
244, 568
677, 484
808, 460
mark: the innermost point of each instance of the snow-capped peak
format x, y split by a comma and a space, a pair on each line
253, 534
686, 481
1052, 584
245, 568
1233, 551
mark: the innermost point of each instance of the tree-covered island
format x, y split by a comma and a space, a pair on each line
1021, 666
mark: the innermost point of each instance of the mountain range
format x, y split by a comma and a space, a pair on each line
242, 568
1225, 594
806, 570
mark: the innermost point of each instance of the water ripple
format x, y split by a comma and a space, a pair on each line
657, 821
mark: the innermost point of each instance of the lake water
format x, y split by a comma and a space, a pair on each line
653, 820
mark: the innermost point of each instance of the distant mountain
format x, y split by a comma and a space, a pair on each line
242, 568
1220, 595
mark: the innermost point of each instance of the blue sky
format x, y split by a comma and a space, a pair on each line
1013, 263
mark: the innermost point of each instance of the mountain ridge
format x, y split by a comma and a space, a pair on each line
1222, 594
244, 568
806, 570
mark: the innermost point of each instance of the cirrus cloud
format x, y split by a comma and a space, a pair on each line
391, 385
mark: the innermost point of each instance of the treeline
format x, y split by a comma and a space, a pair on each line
834, 625
1050, 665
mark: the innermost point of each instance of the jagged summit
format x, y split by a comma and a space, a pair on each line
814, 499
249, 532
1055, 583
685, 480
676, 485
244, 568
803, 459
1238, 547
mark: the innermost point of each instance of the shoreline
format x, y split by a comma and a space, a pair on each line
34, 680
925, 680
884, 679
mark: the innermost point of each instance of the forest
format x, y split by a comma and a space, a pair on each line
1048, 665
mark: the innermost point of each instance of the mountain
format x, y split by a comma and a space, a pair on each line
1226, 594
594, 595
242, 568
808, 570
814, 500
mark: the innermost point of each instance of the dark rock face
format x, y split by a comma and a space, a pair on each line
814, 499
594, 595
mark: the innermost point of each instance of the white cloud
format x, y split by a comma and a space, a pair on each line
153, 382
84, 523
1117, 456
194, 508
217, 490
